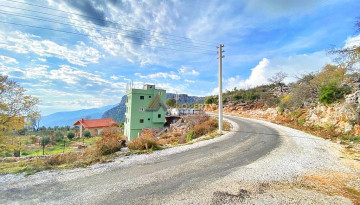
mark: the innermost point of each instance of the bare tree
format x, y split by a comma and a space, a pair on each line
278, 79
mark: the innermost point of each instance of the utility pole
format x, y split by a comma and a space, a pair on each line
220, 87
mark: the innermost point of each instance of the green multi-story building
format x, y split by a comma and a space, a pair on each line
145, 108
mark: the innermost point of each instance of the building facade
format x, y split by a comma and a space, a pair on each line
145, 108
96, 126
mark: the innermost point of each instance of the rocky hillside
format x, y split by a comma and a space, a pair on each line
185, 99
325, 104
118, 113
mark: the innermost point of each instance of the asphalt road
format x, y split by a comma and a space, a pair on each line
153, 181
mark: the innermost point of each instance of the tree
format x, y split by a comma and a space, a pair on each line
209, 100
45, 140
34, 120
70, 135
14, 104
171, 102
59, 136
278, 79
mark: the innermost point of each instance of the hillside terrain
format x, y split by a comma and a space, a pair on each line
325, 104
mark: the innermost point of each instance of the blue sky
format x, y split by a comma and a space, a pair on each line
91, 68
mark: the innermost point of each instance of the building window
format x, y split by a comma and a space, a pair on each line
141, 120
150, 86
142, 97
159, 115
160, 93
149, 119
141, 109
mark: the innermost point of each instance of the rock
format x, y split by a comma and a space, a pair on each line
124, 149
348, 128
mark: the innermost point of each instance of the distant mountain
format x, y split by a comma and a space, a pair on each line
118, 113
68, 118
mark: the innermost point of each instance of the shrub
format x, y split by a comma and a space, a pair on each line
206, 127
87, 134
190, 135
143, 142
70, 135
330, 92
226, 126
301, 121
59, 136
109, 142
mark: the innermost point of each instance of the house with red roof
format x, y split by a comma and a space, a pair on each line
95, 126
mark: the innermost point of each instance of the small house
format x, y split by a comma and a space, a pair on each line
95, 126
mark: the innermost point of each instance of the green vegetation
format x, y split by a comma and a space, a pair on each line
171, 102
331, 92
99, 150
70, 135
87, 134
59, 136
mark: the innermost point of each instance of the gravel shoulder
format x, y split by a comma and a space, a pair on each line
255, 163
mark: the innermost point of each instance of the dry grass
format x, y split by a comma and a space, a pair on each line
144, 142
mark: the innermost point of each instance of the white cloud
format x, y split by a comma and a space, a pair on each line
24, 43
8, 60
42, 59
172, 75
352, 41
189, 81
293, 65
188, 71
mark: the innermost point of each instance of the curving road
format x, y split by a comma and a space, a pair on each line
152, 180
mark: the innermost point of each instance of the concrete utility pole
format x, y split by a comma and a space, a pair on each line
220, 87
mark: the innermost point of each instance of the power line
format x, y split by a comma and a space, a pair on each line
76, 33
104, 20
140, 32
106, 31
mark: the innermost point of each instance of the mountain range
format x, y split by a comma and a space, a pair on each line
68, 118
116, 112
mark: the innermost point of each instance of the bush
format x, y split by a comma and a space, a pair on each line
70, 135
330, 93
143, 142
59, 136
189, 136
109, 142
87, 134
205, 127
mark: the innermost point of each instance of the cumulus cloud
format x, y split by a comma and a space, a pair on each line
293, 65
171, 75
23, 43
352, 41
